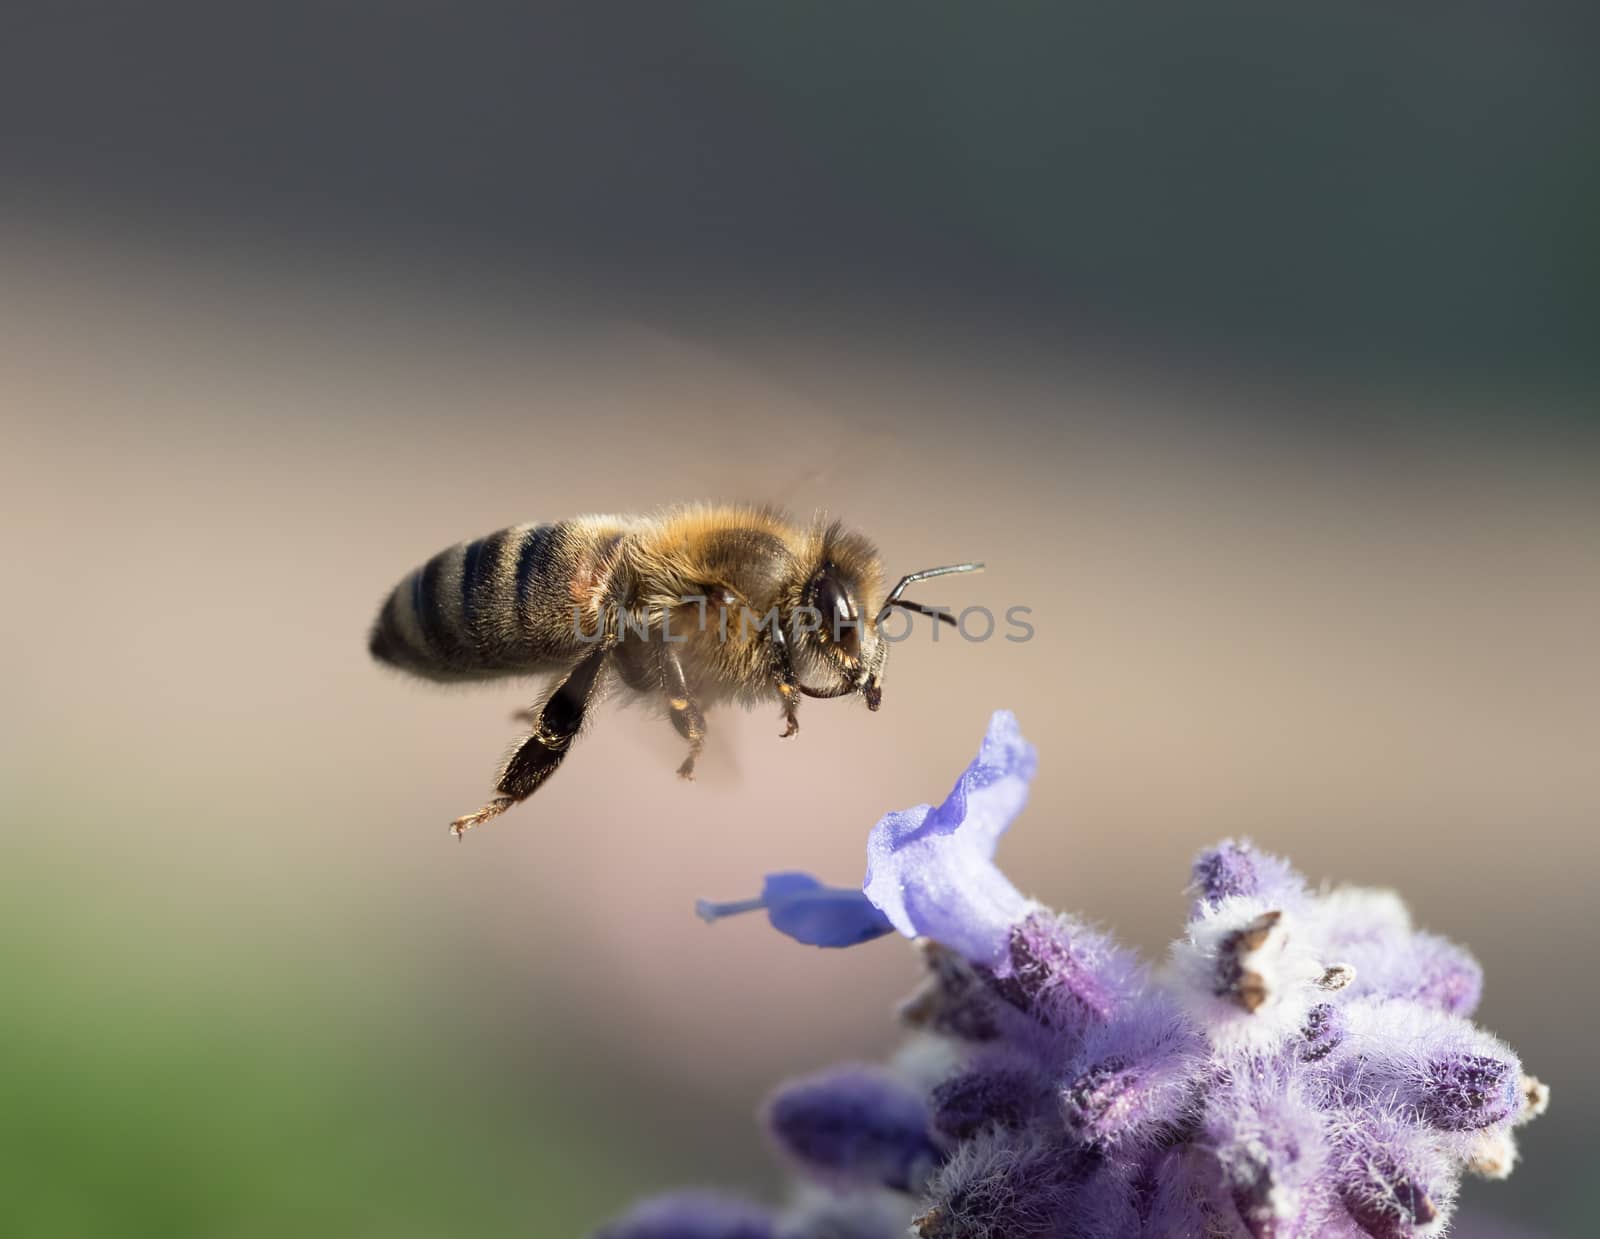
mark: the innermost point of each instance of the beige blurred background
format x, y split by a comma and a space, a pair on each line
1251, 349
240, 933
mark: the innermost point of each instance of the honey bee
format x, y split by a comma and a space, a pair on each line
692, 608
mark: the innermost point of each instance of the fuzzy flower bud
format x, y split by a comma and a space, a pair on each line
1004, 1090
1067, 975
953, 1000
1450, 1075
1235, 869
856, 1124
1395, 1183
1321, 1034
1134, 1079
1002, 1188
1248, 973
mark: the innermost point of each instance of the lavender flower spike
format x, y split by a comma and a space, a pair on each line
1303, 1067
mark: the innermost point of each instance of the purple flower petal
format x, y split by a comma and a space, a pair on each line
931, 871
800, 906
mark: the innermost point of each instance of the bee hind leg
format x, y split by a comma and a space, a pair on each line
687, 717
537, 756
493, 809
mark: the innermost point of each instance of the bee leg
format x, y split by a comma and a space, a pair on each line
791, 710
686, 715
493, 809
536, 757
783, 679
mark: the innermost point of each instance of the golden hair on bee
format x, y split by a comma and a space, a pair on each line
691, 608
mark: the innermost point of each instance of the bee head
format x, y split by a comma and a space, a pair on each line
838, 635
837, 628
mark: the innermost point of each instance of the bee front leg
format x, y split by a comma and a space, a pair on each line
783, 679
791, 710
686, 714
536, 757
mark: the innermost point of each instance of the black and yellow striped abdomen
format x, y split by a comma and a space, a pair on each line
500, 605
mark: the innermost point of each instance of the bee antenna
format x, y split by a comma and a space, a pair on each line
894, 600
933, 613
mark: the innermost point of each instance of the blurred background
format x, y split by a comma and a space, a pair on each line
1253, 347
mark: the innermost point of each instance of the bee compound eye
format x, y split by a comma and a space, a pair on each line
838, 616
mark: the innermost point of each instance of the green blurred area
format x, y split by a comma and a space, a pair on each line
146, 1097
195, 1047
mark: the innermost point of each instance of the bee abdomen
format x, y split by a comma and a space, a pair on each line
478, 608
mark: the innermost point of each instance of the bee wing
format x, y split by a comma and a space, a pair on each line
775, 445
